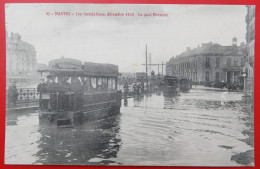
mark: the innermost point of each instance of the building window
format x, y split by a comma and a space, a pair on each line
228, 61
235, 62
207, 77
217, 76
217, 62
207, 62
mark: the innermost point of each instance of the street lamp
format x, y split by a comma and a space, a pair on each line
244, 75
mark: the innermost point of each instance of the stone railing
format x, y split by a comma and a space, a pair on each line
130, 88
26, 96
30, 96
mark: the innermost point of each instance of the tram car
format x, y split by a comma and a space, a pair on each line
170, 85
77, 92
140, 77
184, 84
140, 85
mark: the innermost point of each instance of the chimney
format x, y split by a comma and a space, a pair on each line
234, 42
17, 36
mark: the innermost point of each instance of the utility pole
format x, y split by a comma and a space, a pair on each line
159, 64
146, 65
149, 64
158, 69
162, 68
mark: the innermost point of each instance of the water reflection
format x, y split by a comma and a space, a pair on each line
170, 101
125, 102
199, 128
11, 119
89, 144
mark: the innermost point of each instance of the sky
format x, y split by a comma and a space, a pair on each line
122, 40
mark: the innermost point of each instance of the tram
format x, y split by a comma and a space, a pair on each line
141, 83
77, 92
185, 84
170, 85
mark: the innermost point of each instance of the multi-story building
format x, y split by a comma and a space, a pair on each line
20, 59
250, 57
209, 63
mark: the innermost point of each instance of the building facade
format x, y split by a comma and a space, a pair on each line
209, 63
249, 59
20, 60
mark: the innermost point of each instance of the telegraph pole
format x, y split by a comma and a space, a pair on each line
162, 68
146, 66
157, 64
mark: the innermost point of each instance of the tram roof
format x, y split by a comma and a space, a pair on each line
72, 72
88, 70
170, 77
100, 69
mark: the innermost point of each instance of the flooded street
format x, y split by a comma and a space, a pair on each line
199, 128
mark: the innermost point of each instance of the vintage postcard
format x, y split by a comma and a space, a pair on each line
129, 84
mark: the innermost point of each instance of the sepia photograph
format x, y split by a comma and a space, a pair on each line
129, 84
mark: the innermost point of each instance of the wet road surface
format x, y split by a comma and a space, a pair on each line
199, 128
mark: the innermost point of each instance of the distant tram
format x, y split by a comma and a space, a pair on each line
76, 92
170, 85
185, 84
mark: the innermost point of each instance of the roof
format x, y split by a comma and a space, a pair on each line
140, 74
100, 69
15, 38
215, 49
170, 77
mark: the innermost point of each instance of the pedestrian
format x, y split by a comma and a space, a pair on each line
12, 95
51, 88
135, 89
41, 88
126, 90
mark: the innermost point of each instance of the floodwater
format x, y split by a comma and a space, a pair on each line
199, 128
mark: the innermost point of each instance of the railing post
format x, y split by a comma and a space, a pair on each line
28, 96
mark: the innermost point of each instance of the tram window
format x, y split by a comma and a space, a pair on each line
76, 84
80, 80
56, 79
113, 83
68, 80
99, 84
86, 83
75, 81
110, 86
105, 83
99, 81
93, 83
62, 80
